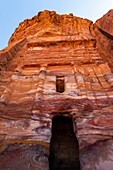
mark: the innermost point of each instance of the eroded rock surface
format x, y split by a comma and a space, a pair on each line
57, 65
98, 156
24, 157
104, 36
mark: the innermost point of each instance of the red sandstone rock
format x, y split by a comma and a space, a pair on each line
104, 35
47, 24
106, 23
57, 65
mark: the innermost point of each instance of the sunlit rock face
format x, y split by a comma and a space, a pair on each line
57, 65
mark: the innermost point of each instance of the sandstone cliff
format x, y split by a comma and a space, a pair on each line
104, 36
57, 65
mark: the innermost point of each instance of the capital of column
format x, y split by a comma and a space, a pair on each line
43, 67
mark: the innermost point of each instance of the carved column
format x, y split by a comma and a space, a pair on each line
41, 81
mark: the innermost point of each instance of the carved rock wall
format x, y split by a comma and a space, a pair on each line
42, 50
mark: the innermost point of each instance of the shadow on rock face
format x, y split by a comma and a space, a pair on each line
24, 157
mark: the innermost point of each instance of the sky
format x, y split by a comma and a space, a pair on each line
12, 12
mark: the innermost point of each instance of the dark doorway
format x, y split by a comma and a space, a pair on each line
64, 150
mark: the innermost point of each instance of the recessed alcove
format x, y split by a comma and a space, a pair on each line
60, 86
64, 149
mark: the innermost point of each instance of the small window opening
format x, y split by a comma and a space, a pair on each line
60, 84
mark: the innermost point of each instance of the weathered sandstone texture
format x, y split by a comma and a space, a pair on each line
57, 66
